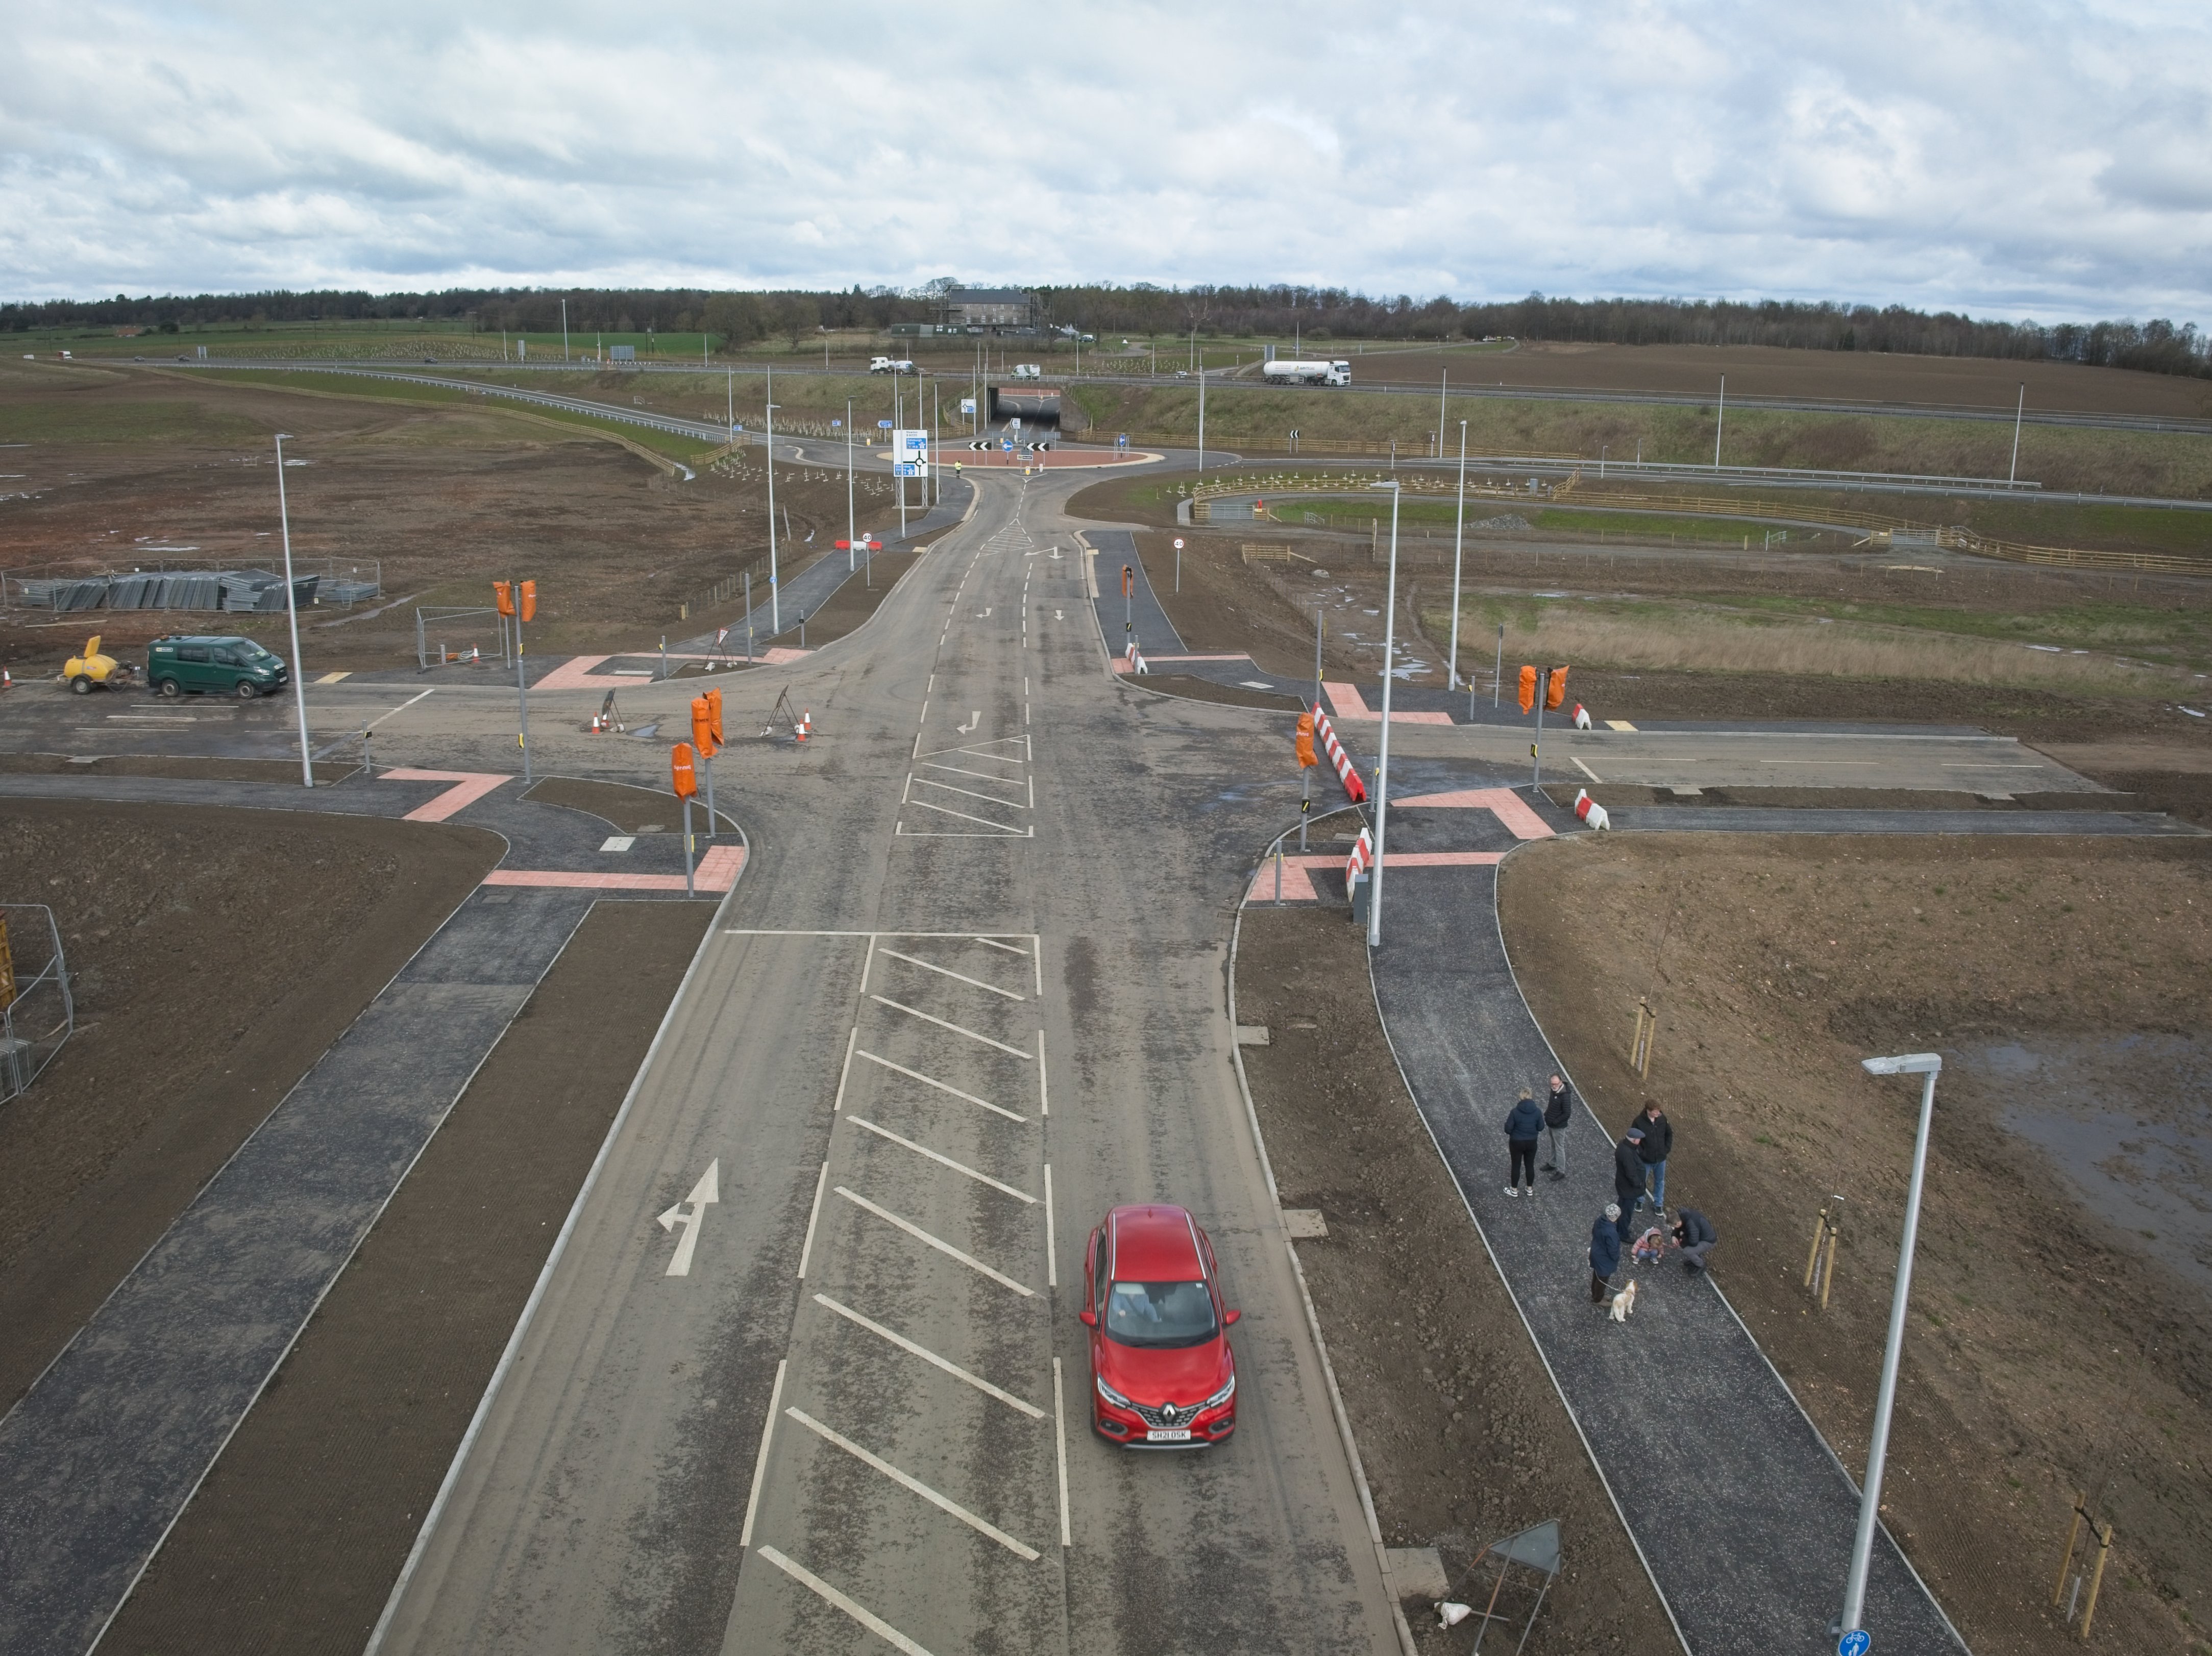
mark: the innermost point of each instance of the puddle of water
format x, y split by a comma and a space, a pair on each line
2127, 1119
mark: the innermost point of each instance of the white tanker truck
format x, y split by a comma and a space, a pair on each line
1284, 372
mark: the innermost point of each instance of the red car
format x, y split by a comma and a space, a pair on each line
1162, 1375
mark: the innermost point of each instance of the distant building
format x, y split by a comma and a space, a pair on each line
993, 310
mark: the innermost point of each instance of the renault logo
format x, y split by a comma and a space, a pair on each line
1168, 1413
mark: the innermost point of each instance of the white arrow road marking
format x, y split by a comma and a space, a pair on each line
984, 614
707, 1190
1059, 615
974, 722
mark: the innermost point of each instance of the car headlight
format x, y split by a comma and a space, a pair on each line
1113, 1397
1222, 1395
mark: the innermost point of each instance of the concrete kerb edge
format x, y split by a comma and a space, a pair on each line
1312, 1317
1820, 1437
1535, 1344
514, 1346
185, 1505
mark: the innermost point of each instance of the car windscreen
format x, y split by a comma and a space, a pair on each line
249, 650
1159, 1313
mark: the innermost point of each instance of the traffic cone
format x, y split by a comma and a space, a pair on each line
7, 679
805, 724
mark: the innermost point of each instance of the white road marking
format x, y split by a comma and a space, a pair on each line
707, 1190
869, 959
970, 793
760, 1460
1051, 1253
1044, 1093
974, 722
932, 1081
937, 1242
958, 1029
1059, 1433
618, 842
927, 1356
927, 764
946, 810
946, 1160
402, 707
1037, 956
978, 983
1991, 765
981, 1526
992, 943
1588, 772
838, 1104
813, 1215
830, 1595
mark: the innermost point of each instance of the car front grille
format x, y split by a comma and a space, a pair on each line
1167, 1416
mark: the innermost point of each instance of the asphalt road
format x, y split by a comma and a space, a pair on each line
963, 1001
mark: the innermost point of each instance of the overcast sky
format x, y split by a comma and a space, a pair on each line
2005, 157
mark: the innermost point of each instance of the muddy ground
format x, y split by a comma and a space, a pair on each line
214, 954
448, 498
295, 1540
2060, 1338
1463, 1438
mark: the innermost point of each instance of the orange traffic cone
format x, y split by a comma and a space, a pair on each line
7, 679
805, 726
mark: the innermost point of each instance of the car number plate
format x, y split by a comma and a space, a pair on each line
1168, 1437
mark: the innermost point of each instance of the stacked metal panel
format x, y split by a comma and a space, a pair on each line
346, 592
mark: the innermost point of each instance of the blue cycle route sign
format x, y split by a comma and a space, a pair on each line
883, 425
1856, 1643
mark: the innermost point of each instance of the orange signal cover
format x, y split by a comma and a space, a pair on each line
1527, 690
1557, 691
529, 600
1306, 740
702, 724
714, 708
504, 597
1128, 580
681, 775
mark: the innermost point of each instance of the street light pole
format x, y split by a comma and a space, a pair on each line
1458, 535
1382, 761
1927, 1066
1719, 421
2018, 414
775, 604
851, 533
292, 609
564, 330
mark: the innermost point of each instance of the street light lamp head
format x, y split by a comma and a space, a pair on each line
1909, 1063
1391, 486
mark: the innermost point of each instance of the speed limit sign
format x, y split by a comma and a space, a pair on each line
1178, 543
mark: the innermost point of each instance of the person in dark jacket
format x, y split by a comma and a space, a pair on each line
1523, 1127
1558, 1111
1604, 1253
1694, 1235
1628, 1177
1658, 1144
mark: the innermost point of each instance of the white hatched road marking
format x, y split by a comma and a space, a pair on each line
978, 983
952, 787
927, 1356
821, 1589
958, 1029
760, 1461
1003, 831
956, 1166
937, 1242
943, 1086
981, 1526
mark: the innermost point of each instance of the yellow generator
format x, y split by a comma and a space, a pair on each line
92, 668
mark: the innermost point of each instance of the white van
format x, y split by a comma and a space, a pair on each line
1028, 371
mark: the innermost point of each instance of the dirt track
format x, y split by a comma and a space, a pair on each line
2052, 1350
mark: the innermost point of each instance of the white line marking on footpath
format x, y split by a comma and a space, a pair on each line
760, 1460
708, 1189
1060, 1432
945, 1161
975, 982
813, 1214
851, 1040
830, 1595
937, 1242
942, 1023
981, 1526
1051, 1253
927, 1356
1588, 772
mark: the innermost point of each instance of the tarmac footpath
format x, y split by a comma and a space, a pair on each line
100, 1456
1743, 1514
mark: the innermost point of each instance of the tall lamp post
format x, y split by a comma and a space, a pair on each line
851, 533
1459, 536
1382, 761
292, 610
1927, 1066
774, 604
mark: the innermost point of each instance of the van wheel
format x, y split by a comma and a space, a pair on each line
80, 684
245, 690
168, 689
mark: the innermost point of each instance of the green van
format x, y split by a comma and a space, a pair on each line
227, 666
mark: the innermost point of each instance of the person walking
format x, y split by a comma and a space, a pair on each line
1658, 1144
1524, 1126
1558, 1111
1604, 1253
1694, 1235
1627, 1178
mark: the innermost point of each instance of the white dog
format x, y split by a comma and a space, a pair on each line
1625, 1303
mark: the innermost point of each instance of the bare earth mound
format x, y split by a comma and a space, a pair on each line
2060, 1338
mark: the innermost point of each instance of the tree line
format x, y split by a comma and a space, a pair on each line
736, 319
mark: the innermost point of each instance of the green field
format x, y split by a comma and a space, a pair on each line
57, 420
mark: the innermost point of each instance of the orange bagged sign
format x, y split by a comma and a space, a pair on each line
1527, 690
1558, 692
714, 714
1306, 740
681, 773
702, 724
503, 595
529, 600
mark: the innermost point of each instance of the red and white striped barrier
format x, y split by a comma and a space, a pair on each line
1136, 662
1362, 859
1582, 717
1354, 788
1592, 813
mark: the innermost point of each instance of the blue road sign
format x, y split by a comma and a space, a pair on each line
883, 425
1122, 441
834, 424
1856, 1643
1008, 446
